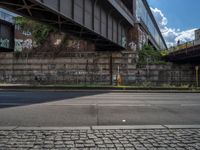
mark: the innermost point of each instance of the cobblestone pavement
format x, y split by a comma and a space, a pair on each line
142, 139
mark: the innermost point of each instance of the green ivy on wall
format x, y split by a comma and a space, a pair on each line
40, 31
149, 55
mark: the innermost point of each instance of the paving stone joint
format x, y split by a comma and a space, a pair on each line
100, 139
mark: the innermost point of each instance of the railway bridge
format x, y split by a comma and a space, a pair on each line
109, 24
104, 22
185, 53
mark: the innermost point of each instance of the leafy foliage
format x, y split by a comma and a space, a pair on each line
164, 53
40, 31
149, 55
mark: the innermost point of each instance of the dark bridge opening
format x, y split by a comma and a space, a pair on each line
6, 36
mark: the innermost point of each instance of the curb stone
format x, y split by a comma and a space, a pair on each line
135, 127
128, 127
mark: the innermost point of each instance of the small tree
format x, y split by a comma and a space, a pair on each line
148, 53
40, 31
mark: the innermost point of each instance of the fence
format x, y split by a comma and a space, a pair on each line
184, 46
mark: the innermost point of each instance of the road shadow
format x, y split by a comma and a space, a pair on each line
22, 98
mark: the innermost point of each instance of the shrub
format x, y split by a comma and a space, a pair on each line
150, 55
40, 31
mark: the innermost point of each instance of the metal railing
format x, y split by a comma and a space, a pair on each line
184, 46
6, 17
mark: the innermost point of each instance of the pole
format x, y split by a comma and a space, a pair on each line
111, 72
197, 75
118, 76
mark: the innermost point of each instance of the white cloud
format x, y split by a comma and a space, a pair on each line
160, 17
171, 35
186, 36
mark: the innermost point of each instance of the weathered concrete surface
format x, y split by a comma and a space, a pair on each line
90, 68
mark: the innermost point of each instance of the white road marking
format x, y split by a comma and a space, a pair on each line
78, 104
190, 105
129, 105
99, 104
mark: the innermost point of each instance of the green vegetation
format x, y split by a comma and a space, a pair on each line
40, 31
143, 86
149, 55
164, 53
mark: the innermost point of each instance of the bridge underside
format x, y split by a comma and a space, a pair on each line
188, 55
44, 12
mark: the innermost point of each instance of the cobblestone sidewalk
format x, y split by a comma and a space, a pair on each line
97, 139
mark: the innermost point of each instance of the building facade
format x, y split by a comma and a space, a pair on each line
148, 25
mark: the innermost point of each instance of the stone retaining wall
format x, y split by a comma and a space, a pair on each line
89, 68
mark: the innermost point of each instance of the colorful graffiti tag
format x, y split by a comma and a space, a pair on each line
23, 44
132, 45
4, 43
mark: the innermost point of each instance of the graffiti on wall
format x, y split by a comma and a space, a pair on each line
5, 43
132, 45
7, 78
23, 44
77, 44
23, 39
27, 33
124, 42
143, 38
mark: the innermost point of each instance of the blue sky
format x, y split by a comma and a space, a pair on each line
177, 18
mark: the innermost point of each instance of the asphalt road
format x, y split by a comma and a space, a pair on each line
98, 108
